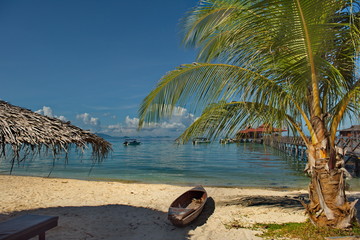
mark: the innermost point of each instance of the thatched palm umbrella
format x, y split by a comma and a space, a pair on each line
28, 132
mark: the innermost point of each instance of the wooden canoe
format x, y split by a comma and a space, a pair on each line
187, 206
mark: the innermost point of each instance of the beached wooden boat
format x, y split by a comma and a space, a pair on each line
187, 206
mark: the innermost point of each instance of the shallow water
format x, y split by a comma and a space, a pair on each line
160, 160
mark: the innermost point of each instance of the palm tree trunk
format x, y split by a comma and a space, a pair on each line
328, 203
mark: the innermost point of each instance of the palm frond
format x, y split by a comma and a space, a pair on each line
227, 118
298, 58
350, 102
206, 83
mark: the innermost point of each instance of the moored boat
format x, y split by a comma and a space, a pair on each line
187, 207
227, 140
131, 142
200, 140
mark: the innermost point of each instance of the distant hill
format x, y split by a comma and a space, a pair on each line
107, 136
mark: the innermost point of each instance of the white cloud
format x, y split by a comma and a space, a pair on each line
89, 121
62, 118
173, 127
179, 111
47, 111
182, 115
131, 122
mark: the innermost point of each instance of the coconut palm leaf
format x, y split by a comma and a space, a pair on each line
226, 118
294, 49
349, 103
205, 83
283, 62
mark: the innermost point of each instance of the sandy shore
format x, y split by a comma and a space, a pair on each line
114, 210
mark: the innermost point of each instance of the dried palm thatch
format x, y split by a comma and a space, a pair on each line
28, 132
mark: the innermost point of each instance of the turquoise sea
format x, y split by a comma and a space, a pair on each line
161, 160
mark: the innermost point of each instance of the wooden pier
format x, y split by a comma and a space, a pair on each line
347, 145
295, 146
351, 146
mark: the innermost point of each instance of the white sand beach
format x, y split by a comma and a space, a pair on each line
114, 210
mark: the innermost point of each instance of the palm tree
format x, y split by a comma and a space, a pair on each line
286, 63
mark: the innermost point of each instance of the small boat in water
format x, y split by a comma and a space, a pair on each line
200, 140
130, 141
227, 140
187, 206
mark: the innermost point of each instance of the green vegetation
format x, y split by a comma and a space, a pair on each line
284, 63
301, 231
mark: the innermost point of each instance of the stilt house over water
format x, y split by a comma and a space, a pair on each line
353, 132
258, 133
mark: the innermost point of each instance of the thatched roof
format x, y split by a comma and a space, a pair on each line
25, 130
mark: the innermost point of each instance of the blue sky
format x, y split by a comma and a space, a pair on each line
91, 62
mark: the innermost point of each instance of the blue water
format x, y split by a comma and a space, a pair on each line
160, 160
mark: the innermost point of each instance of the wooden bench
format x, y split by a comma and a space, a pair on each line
27, 226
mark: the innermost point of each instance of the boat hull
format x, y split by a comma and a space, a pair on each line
187, 207
131, 142
200, 141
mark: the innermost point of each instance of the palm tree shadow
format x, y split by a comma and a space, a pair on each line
292, 202
110, 222
115, 222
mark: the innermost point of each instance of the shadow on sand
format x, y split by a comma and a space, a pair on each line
271, 201
290, 202
115, 222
